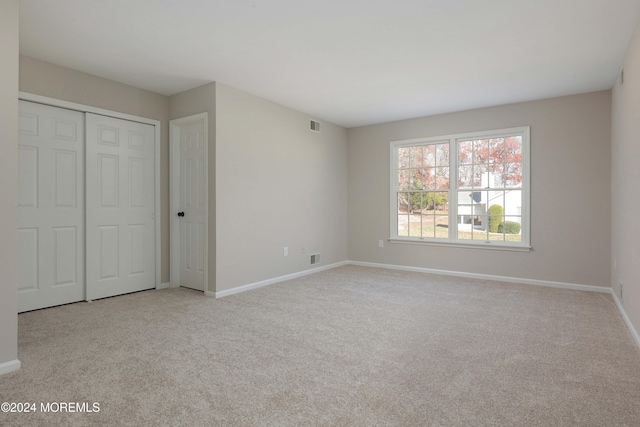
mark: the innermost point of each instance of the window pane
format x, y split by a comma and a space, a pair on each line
513, 202
465, 176
494, 222
416, 180
403, 225
480, 151
480, 234
480, 177
415, 225
416, 156
403, 203
465, 198
403, 157
429, 155
428, 200
517, 238
465, 152
496, 150
513, 175
429, 178
495, 198
513, 218
512, 229
442, 178
428, 225
442, 226
441, 201
513, 148
470, 228
496, 175
415, 202
404, 179
442, 155
499, 236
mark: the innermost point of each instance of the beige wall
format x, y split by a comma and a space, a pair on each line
46, 79
203, 100
625, 180
8, 180
277, 184
570, 184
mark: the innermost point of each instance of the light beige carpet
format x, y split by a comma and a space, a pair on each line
351, 346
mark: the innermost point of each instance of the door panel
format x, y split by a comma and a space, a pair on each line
192, 203
192, 177
50, 206
120, 206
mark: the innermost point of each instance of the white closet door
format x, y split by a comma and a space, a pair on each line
120, 206
50, 206
192, 176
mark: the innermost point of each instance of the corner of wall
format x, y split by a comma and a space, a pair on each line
624, 193
9, 19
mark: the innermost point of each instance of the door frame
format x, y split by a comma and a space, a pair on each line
44, 100
175, 127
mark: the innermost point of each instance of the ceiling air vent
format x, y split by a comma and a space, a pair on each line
315, 126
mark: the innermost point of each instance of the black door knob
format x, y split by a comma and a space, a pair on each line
180, 213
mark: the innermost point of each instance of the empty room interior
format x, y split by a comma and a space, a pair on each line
336, 213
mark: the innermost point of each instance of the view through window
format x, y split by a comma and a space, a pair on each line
464, 189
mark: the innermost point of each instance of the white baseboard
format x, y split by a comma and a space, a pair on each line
164, 285
268, 282
535, 282
627, 321
10, 366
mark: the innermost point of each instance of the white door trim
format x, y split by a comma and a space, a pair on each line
174, 194
156, 123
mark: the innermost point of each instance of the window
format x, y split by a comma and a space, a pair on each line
467, 189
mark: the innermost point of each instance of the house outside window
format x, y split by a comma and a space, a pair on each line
467, 189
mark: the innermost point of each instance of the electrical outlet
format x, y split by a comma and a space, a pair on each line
381, 243
286, 251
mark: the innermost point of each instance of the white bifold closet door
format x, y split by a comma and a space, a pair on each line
50, 206
119, 206
86, 202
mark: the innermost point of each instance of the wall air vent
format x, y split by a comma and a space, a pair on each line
315, 259
315, 126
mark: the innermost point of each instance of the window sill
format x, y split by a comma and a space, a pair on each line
488, 245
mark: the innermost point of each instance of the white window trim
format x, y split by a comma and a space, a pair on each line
452, 241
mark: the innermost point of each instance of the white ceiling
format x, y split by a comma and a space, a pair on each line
351, 62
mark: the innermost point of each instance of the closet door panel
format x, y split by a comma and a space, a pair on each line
50, 206
120, 206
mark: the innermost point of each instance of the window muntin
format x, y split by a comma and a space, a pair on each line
462, 189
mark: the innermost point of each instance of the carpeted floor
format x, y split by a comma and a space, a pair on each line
352, 346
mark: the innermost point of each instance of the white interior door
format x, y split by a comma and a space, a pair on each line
189, 202
120, 206
50, 206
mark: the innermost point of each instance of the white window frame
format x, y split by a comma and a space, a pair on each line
453, 141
